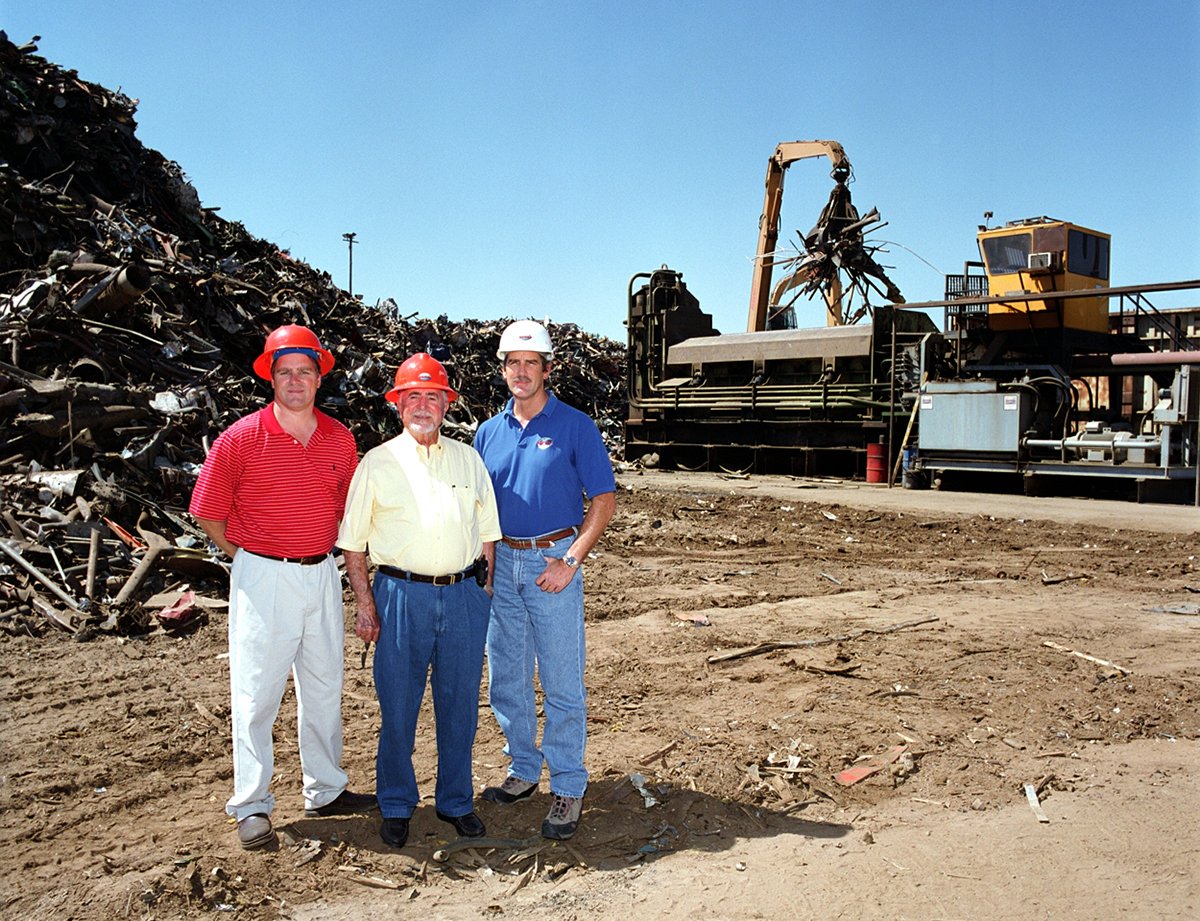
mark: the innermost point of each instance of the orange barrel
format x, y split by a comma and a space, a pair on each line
876, 463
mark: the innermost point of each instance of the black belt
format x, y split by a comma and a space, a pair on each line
453, 579
538, 543
302, 560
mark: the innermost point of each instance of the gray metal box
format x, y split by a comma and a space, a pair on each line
972, 416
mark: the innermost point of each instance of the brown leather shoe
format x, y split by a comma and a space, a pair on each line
255, 831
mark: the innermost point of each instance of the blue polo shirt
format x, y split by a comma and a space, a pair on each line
541, 472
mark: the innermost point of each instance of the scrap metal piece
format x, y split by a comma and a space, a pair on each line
16, 556
833, 261
156, 544
869, 766
835, 248
1032, 797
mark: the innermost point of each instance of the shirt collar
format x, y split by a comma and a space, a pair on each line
274, 428
411, 444
547, 410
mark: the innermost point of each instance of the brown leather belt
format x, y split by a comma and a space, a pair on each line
537, 543
453, 579
302, 560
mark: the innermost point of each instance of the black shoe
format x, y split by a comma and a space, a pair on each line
394, 832
467, 826
509, 792
347, 803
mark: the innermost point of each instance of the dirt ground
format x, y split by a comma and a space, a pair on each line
970, 644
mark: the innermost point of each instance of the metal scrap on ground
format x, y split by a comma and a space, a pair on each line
869, 766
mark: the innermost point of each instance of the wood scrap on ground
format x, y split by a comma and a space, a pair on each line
442, 854
1031, 794
1069, 577
838, 671
1084, 655
760, 648
375, 882
658, 754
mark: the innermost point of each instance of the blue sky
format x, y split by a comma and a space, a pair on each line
526, 158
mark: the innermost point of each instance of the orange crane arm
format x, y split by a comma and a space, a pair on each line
785, 154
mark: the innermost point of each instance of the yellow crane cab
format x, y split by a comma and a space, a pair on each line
1042, 254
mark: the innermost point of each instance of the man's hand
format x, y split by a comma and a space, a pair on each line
216, 533
556, 576
366, 622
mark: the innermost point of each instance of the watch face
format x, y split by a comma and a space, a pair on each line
571, 561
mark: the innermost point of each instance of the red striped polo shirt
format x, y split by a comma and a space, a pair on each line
276, 495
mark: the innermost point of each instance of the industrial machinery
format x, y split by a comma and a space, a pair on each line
1039, 377
1033, 374
775, 397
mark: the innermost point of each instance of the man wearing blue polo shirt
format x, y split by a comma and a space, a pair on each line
543, 457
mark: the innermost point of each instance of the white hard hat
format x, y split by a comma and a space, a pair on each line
525, 336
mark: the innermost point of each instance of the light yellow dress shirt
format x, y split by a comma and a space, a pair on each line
425, 510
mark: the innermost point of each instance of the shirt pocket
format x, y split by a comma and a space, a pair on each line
466, 498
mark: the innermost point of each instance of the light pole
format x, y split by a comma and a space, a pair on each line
349, 238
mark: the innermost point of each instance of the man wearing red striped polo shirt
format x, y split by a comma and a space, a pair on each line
271, 494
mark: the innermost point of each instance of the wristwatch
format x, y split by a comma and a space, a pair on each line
571, 562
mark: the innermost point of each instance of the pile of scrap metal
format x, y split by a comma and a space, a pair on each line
129, 318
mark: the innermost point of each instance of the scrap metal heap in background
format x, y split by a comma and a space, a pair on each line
129, 318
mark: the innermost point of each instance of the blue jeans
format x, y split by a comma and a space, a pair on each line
439, 632
531, 628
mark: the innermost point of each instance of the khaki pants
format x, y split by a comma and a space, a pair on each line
284, 617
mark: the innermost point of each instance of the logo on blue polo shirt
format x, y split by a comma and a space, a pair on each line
544, 443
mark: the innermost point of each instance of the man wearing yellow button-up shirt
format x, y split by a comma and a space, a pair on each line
424, 511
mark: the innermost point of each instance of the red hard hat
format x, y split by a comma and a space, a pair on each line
289, 339
421, 372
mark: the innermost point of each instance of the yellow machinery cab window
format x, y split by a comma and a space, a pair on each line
1087, 254
1007, 255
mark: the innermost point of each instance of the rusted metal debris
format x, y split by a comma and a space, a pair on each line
130, 315
834, 256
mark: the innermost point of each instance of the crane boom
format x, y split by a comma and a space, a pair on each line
785, 154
